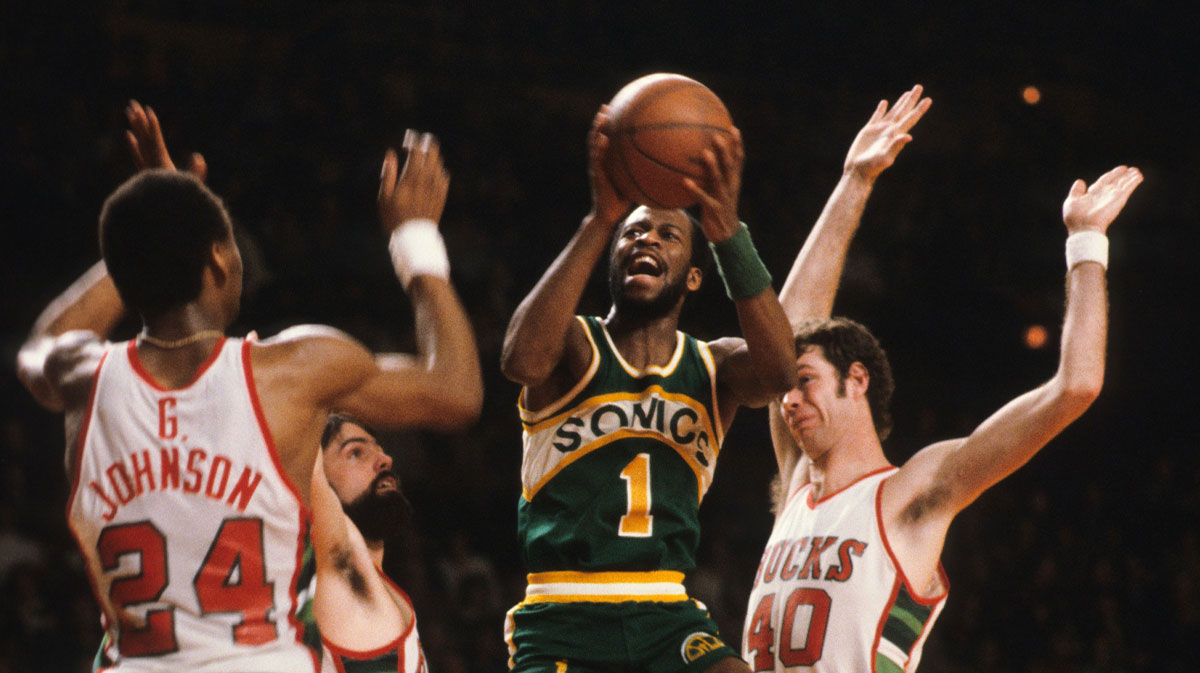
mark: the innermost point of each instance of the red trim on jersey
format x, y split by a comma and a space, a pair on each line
931, 600
788, 503
397, 643
83, 430
136, 363
84, 426
303, 512
813, 503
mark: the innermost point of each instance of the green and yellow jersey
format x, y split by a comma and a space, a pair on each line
614, 471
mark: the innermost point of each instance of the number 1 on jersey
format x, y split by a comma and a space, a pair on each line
637, 521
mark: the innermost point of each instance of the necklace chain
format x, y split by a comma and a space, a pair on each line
180, 343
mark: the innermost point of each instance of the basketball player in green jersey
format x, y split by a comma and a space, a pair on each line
623, 419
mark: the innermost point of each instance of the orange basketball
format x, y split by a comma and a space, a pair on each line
658, 126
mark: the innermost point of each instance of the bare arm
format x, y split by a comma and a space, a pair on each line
946, 477
813, 280
542, 335
753, 369
352, 604
444, 381
810, 287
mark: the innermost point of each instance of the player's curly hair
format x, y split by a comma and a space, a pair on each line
844, 342
156, 235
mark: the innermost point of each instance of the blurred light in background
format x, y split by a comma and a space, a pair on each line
1031, 95
1035, 337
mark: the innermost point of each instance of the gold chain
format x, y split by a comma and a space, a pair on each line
180, 343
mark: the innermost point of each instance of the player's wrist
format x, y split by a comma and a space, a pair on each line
417, 249
739, 265
1088, 245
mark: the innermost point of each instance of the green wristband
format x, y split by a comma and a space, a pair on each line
740, 268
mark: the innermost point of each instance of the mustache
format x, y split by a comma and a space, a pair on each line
384, 475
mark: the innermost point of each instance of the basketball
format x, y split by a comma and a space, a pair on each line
658, 126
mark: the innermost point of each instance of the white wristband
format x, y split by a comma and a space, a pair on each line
1087, 246
417, 249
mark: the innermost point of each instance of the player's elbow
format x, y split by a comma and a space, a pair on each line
777, 381
1077, 393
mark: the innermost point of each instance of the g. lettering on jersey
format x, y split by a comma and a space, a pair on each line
816, 557
173, 466
676, 420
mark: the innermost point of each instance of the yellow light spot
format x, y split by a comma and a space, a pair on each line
1031, 95
1035, 337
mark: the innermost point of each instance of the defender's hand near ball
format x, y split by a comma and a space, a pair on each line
723, 174
608, 206
419, 193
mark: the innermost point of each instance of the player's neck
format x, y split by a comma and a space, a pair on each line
175, 344
182, 322
643, 342
847, 461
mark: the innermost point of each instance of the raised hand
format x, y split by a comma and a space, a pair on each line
886, 133
723, 166
420, 190
607, 204
1094, 208
147, 146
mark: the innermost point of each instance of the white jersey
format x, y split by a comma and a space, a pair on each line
191, 533
829, 596
402, 655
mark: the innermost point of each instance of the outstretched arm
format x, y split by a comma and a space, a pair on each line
542, 337
813, 280
946, 477
352, 602
442, 387
753, 369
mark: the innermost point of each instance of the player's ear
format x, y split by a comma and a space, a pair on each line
858, 379
221, 261
695, 277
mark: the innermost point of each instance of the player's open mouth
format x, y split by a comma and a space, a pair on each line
386, 483
644, 264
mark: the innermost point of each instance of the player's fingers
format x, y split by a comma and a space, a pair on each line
132, 141
880, 110
198, 167
914, 95
898, 144
706, 200
387, 175
716, 162
1078, 188
914, 115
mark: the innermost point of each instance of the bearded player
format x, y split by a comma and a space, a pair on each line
851, 578
191, 453
623, 420
366, 622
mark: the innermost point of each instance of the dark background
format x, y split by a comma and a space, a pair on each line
1087, 559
